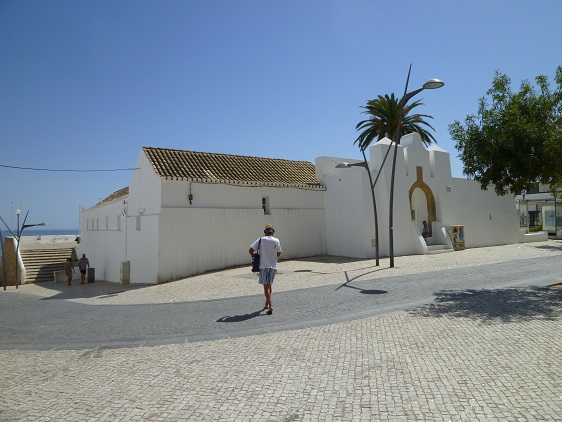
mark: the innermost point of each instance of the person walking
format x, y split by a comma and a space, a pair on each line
269, 249
69, 270
83, 265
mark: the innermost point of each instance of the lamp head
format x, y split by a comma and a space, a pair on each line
433, 84
342, 165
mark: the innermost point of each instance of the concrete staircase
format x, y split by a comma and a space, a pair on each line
40, 263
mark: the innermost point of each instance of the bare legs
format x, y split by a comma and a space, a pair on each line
267, 292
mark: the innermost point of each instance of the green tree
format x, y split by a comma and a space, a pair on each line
515, 138
384, 115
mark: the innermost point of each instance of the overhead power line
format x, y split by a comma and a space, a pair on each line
66, 170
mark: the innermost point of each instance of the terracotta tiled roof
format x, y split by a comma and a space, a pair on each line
115, 195
226, 168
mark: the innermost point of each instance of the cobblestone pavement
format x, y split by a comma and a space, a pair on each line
485, 351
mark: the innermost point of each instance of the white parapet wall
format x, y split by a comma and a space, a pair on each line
532, 237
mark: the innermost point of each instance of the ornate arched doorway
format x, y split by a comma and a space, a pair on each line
422, 201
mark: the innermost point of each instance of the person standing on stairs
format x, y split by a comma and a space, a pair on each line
69, 270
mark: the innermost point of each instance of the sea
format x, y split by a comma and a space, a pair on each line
32, 231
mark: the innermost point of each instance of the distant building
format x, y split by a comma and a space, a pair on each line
539, 209
188, 212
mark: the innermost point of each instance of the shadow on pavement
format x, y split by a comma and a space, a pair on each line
88, 290
363, 291
372, 292
240, 318
488, 306
557, 247
349, 280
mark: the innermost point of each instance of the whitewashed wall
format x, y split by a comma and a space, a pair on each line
217, 195
488, 219
103, 245
145, 196
348, 209
196, 240
166, 238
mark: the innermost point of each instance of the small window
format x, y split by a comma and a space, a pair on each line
533, 188
265, 205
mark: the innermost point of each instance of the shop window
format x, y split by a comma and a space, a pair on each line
533, 218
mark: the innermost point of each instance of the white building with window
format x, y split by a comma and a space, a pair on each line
424, 191
188, 212
539, 209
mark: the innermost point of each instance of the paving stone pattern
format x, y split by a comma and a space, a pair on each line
453, 341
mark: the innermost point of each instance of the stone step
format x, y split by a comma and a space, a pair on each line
435, 249
41, 263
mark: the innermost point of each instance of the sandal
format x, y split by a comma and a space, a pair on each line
270, 312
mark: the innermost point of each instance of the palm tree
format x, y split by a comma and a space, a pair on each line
385, 115
384, 120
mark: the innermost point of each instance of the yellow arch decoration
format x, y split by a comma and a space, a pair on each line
420, 184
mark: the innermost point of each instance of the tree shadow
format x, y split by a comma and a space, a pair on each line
557, 247
240, 318
489, 306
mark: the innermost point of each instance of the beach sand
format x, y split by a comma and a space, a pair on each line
48, 241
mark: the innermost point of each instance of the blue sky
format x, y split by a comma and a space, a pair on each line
86, 84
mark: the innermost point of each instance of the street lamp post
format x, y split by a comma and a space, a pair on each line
19, 231
365, 165
431, 84
18, 212
523, 213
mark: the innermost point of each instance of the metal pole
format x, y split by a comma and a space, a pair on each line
555, 227
396, 139
3, 258
372, 185
17, 247
17, 260
391, 211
